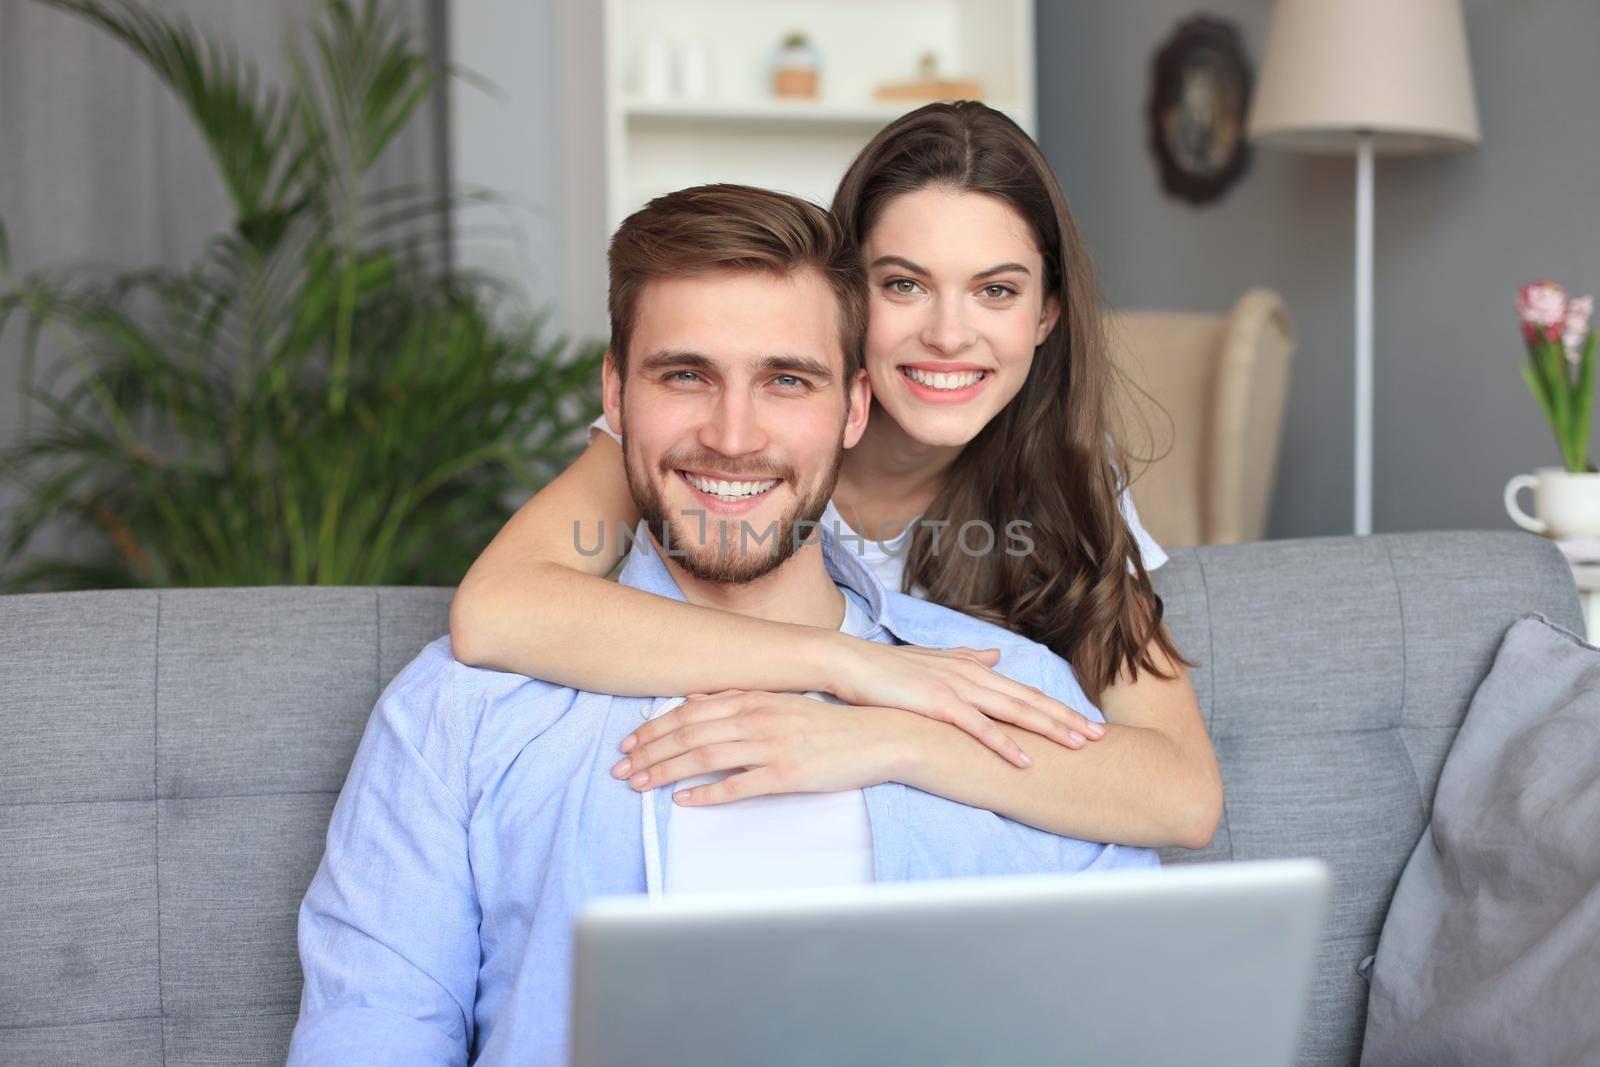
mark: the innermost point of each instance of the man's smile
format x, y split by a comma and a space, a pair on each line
728, 495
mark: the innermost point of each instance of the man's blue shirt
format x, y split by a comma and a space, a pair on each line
479, 814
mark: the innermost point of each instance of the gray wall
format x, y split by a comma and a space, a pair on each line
505, 137
1455, 235
539, 137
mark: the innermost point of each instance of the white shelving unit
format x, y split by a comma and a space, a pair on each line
773, 110
739, 132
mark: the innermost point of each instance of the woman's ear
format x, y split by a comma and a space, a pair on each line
1047, 319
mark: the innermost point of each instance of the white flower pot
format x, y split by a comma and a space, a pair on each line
1564, 504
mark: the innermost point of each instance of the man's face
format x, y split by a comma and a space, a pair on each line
735, 415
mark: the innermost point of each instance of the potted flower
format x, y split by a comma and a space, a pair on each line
1560, 374
796, 69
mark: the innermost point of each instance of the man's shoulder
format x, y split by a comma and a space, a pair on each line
461, 720
435, 684
927, 623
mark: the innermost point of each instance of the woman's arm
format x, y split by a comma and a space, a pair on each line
534, 604
1151, 780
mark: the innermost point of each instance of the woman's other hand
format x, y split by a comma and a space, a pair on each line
958, 686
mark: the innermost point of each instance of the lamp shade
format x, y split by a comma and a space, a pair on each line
1395, 69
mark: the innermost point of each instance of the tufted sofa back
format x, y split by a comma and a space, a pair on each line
171, 759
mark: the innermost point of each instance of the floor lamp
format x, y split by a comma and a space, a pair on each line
1371, 76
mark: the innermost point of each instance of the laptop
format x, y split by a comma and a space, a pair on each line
1198, 964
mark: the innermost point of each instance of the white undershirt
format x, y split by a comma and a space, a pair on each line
886, 559
772, 842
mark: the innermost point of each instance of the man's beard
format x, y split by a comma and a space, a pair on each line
722, 557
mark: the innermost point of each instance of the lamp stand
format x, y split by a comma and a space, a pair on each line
1364, 154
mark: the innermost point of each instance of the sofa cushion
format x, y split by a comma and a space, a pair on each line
1332, 675
1488, 953
172, 759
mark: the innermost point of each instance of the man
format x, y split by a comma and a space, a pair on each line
482, 808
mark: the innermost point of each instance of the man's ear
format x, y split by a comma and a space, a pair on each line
859, 394
1047, 319
611, 391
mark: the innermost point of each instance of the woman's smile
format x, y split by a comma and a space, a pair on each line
937, 382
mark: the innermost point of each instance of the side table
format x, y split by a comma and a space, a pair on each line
1587, 575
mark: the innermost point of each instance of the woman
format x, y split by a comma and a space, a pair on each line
991, 386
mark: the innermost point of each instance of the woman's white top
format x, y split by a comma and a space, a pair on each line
888, 558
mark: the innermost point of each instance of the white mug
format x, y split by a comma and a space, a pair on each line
1564, 504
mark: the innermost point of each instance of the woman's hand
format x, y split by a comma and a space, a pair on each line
957, 686
785, 743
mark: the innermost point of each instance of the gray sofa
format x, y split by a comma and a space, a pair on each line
171, 759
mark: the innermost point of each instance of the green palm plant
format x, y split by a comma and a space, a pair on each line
315, 400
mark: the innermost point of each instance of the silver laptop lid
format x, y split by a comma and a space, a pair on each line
1199, 964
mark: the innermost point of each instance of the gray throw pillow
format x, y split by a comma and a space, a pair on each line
1490, 952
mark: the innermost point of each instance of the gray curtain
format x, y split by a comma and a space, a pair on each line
98, 163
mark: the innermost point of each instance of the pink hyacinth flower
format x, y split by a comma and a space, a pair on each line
1575, 330
1543, 304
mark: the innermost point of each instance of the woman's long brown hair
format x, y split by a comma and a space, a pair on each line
1051, 457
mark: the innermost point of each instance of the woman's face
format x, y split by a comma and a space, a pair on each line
957, 306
